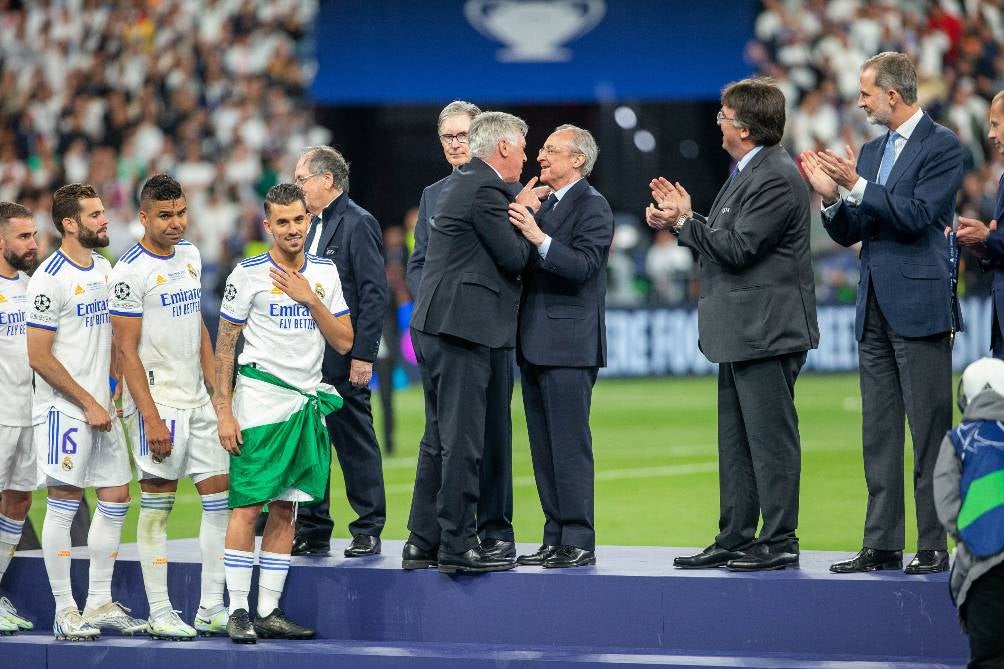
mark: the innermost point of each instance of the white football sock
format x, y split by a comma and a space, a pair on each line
238, 566
59, 515
10, 537
151, 540
103, 545
212, 533
273, 568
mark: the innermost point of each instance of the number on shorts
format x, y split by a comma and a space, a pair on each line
69, 443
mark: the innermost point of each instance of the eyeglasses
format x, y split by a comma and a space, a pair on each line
549, 150
720, 116
300, 180
460, 138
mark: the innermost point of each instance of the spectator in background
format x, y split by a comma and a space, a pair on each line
669, 267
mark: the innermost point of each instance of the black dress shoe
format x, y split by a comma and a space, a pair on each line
277, 626
536, 559
239, 627
869, 559
762, 559
473, 561
414, 557
712, 556
499, 548
363, 545
928, 562
305, 546
569, 556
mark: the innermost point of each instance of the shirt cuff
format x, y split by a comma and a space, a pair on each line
544, 247
857, 194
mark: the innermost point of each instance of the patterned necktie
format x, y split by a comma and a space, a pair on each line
315, 225
888, 158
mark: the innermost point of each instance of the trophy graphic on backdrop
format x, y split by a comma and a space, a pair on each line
534, 30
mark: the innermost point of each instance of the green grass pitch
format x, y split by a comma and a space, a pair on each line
656, 467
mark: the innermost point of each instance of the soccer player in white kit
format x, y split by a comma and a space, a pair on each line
288, 304
70, 351
18, 255
166, 358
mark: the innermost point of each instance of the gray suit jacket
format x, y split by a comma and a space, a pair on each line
757, 291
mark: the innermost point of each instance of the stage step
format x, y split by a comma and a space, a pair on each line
38, 651
632, 600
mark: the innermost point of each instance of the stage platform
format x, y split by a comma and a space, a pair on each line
632, 609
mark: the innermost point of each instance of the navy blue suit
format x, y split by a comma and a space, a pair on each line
995, 253
351, 238
904, 317
561, 345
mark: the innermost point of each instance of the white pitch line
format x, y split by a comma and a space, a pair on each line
607, 475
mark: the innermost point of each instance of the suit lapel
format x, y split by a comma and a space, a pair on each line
729, 188
910, 151
555, 218
331, 218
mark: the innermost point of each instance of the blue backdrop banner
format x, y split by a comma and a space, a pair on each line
528, 51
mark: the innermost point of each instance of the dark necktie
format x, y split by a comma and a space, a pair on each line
548, 205
315, 226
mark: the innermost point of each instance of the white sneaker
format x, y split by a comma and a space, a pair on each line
209, 622
69, 625
7, 627
9, 613
168, 625
116, 617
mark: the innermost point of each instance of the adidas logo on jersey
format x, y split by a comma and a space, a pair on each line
2, 298
276, 290
161, 280
79, 290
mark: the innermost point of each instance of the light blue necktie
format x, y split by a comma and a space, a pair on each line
888, 158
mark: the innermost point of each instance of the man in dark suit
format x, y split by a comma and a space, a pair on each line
347, 234
562, 342
757, 318
900, 198
495, 501
465, 321
986, 240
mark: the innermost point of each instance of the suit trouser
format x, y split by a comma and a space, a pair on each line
495, 478
444, 505
557, 401
759, 452
355, 443
902, 379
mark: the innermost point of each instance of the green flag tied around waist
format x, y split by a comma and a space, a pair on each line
286, 452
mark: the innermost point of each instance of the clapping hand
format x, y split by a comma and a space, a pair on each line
820, 181
839, 168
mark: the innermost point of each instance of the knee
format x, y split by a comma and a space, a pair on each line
16, 504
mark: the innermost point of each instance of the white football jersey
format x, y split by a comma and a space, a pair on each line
72, 301
166, 292
15, 375
280, 335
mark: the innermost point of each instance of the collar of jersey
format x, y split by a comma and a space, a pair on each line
81, 268
17, 275
272, 260
155, 255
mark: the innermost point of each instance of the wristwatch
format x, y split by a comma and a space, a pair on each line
678, 226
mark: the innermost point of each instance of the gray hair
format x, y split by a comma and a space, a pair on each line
582, 142
894, 72
488, 128
324, 159
456, 108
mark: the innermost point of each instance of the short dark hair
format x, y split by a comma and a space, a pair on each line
66, 203
894, 71
9, 210
324, 159
160, 188
759, 106
284, 194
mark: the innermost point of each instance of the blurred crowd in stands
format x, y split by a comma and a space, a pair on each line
215, 92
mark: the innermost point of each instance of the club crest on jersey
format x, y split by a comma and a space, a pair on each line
161, 280
79, 290
319, 290
121, 290
42, 303
67, 463
192, 272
